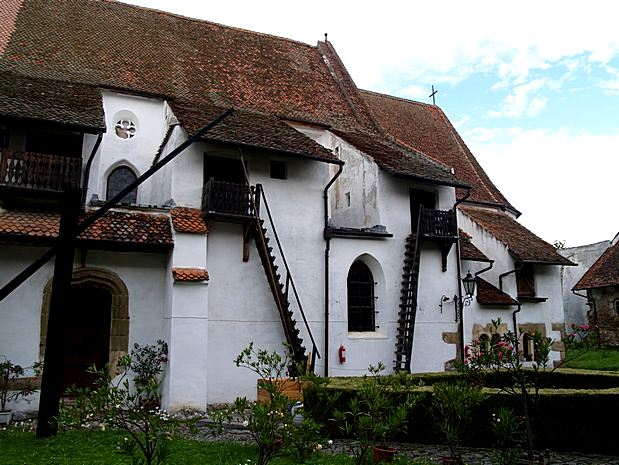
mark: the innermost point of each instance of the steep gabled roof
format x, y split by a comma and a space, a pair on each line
399, 161
122, 46
426, 129
604, 272
522, 244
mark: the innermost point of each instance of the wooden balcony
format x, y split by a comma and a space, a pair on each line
438, 224
27, 171
227, 201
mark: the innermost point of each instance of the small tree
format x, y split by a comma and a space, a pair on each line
268, 423
452, 407
9, 374
501, 359
132, 408
377, 413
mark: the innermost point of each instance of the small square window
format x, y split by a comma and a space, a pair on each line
279, 170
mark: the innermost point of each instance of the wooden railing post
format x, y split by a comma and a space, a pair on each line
257, 198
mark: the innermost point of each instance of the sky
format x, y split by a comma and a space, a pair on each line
532, 87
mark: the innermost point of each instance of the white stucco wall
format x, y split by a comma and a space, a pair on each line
241, 308
137, 152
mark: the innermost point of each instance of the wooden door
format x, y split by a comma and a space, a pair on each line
419, 198
86, 334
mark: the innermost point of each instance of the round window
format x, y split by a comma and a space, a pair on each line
125, 128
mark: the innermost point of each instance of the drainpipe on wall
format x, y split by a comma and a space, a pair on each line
88, 167
516, 325
519, 266
461, 325
325, 198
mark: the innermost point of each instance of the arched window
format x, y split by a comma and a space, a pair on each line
361, 315
118, 180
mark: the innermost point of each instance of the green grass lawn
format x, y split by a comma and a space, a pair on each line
91, 447
595, 359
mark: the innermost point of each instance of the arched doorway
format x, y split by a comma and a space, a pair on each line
95, 324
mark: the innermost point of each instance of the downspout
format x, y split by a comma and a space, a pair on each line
460, 302
519, 266
516, 326
88, 167
483, 270
325, 198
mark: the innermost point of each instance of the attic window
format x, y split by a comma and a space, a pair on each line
525, 281
125, 128
279, 170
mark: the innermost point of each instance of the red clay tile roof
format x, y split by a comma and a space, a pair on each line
521, 243
604, 272
189, 274
468, 251
139, 230
75, 105
188, 220
399, 161
102, 42
487, 294
426, 128
251, 129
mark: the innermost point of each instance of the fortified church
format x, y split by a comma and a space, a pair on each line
338, 220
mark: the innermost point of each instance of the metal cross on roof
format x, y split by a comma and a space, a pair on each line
434, 92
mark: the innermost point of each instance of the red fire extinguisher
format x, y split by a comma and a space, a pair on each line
341, 352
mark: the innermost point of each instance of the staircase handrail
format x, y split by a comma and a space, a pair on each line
283, 257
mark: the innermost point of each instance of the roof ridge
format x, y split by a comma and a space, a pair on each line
395, 97
335, 69
458, 139
204, 21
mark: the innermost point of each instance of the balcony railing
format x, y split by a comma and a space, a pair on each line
227, 199
438, 224
39, 171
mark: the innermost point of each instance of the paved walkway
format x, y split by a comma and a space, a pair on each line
471, 456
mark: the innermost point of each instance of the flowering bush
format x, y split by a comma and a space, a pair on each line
523, 383
134, 409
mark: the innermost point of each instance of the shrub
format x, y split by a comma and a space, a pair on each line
133, 409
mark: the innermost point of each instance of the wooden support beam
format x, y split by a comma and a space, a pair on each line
51, 382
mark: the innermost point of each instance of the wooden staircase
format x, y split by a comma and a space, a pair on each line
408, 304
280, 291
242, 203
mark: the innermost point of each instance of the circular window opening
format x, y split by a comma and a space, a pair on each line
125, 128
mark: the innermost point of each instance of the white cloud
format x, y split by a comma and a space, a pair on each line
414, 92
564, 182
522, 101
